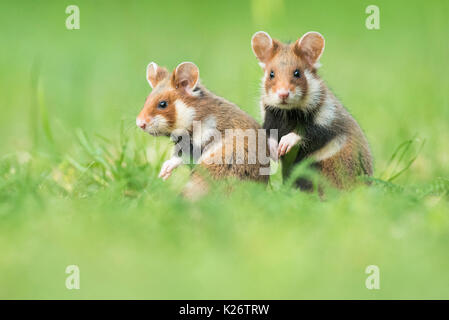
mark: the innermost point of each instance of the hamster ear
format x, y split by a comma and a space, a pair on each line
263, 46
186, 76
310, 47
155, 74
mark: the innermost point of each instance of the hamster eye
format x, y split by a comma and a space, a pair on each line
162, 105
296, 73
271, 74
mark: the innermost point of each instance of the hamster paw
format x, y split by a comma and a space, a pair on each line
168, 167
287, 142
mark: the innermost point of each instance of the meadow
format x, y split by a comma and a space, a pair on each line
78, 179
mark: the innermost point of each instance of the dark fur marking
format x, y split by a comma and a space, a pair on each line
314, 136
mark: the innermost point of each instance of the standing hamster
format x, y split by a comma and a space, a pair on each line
221, 136
297, 103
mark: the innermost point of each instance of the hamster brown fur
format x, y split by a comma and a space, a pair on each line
297, 102
178, 103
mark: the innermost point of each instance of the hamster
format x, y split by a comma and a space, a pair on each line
223, 136
297, 102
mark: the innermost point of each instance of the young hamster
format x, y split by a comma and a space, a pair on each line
297, 102
221, 136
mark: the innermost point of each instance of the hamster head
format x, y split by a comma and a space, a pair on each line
289, 69
164, 110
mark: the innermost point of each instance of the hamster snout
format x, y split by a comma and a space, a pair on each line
141, 123
283, 95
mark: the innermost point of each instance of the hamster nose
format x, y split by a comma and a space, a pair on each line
283, 94
141, 124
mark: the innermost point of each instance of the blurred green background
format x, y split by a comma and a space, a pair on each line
78, 180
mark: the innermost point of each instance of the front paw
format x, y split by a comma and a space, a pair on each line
168, 167
287, 143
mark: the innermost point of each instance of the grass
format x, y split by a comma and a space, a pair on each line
78, 180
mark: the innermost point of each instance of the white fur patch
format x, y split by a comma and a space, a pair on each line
262, 109
271, 99
158, 125
326, 114
297, 95
184, 115
330, 149
313, 95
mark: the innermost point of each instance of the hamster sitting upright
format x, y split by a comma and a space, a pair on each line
297, 103
223, 138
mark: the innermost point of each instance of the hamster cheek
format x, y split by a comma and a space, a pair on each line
160, 124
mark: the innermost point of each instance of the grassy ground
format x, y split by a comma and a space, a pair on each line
78, 181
